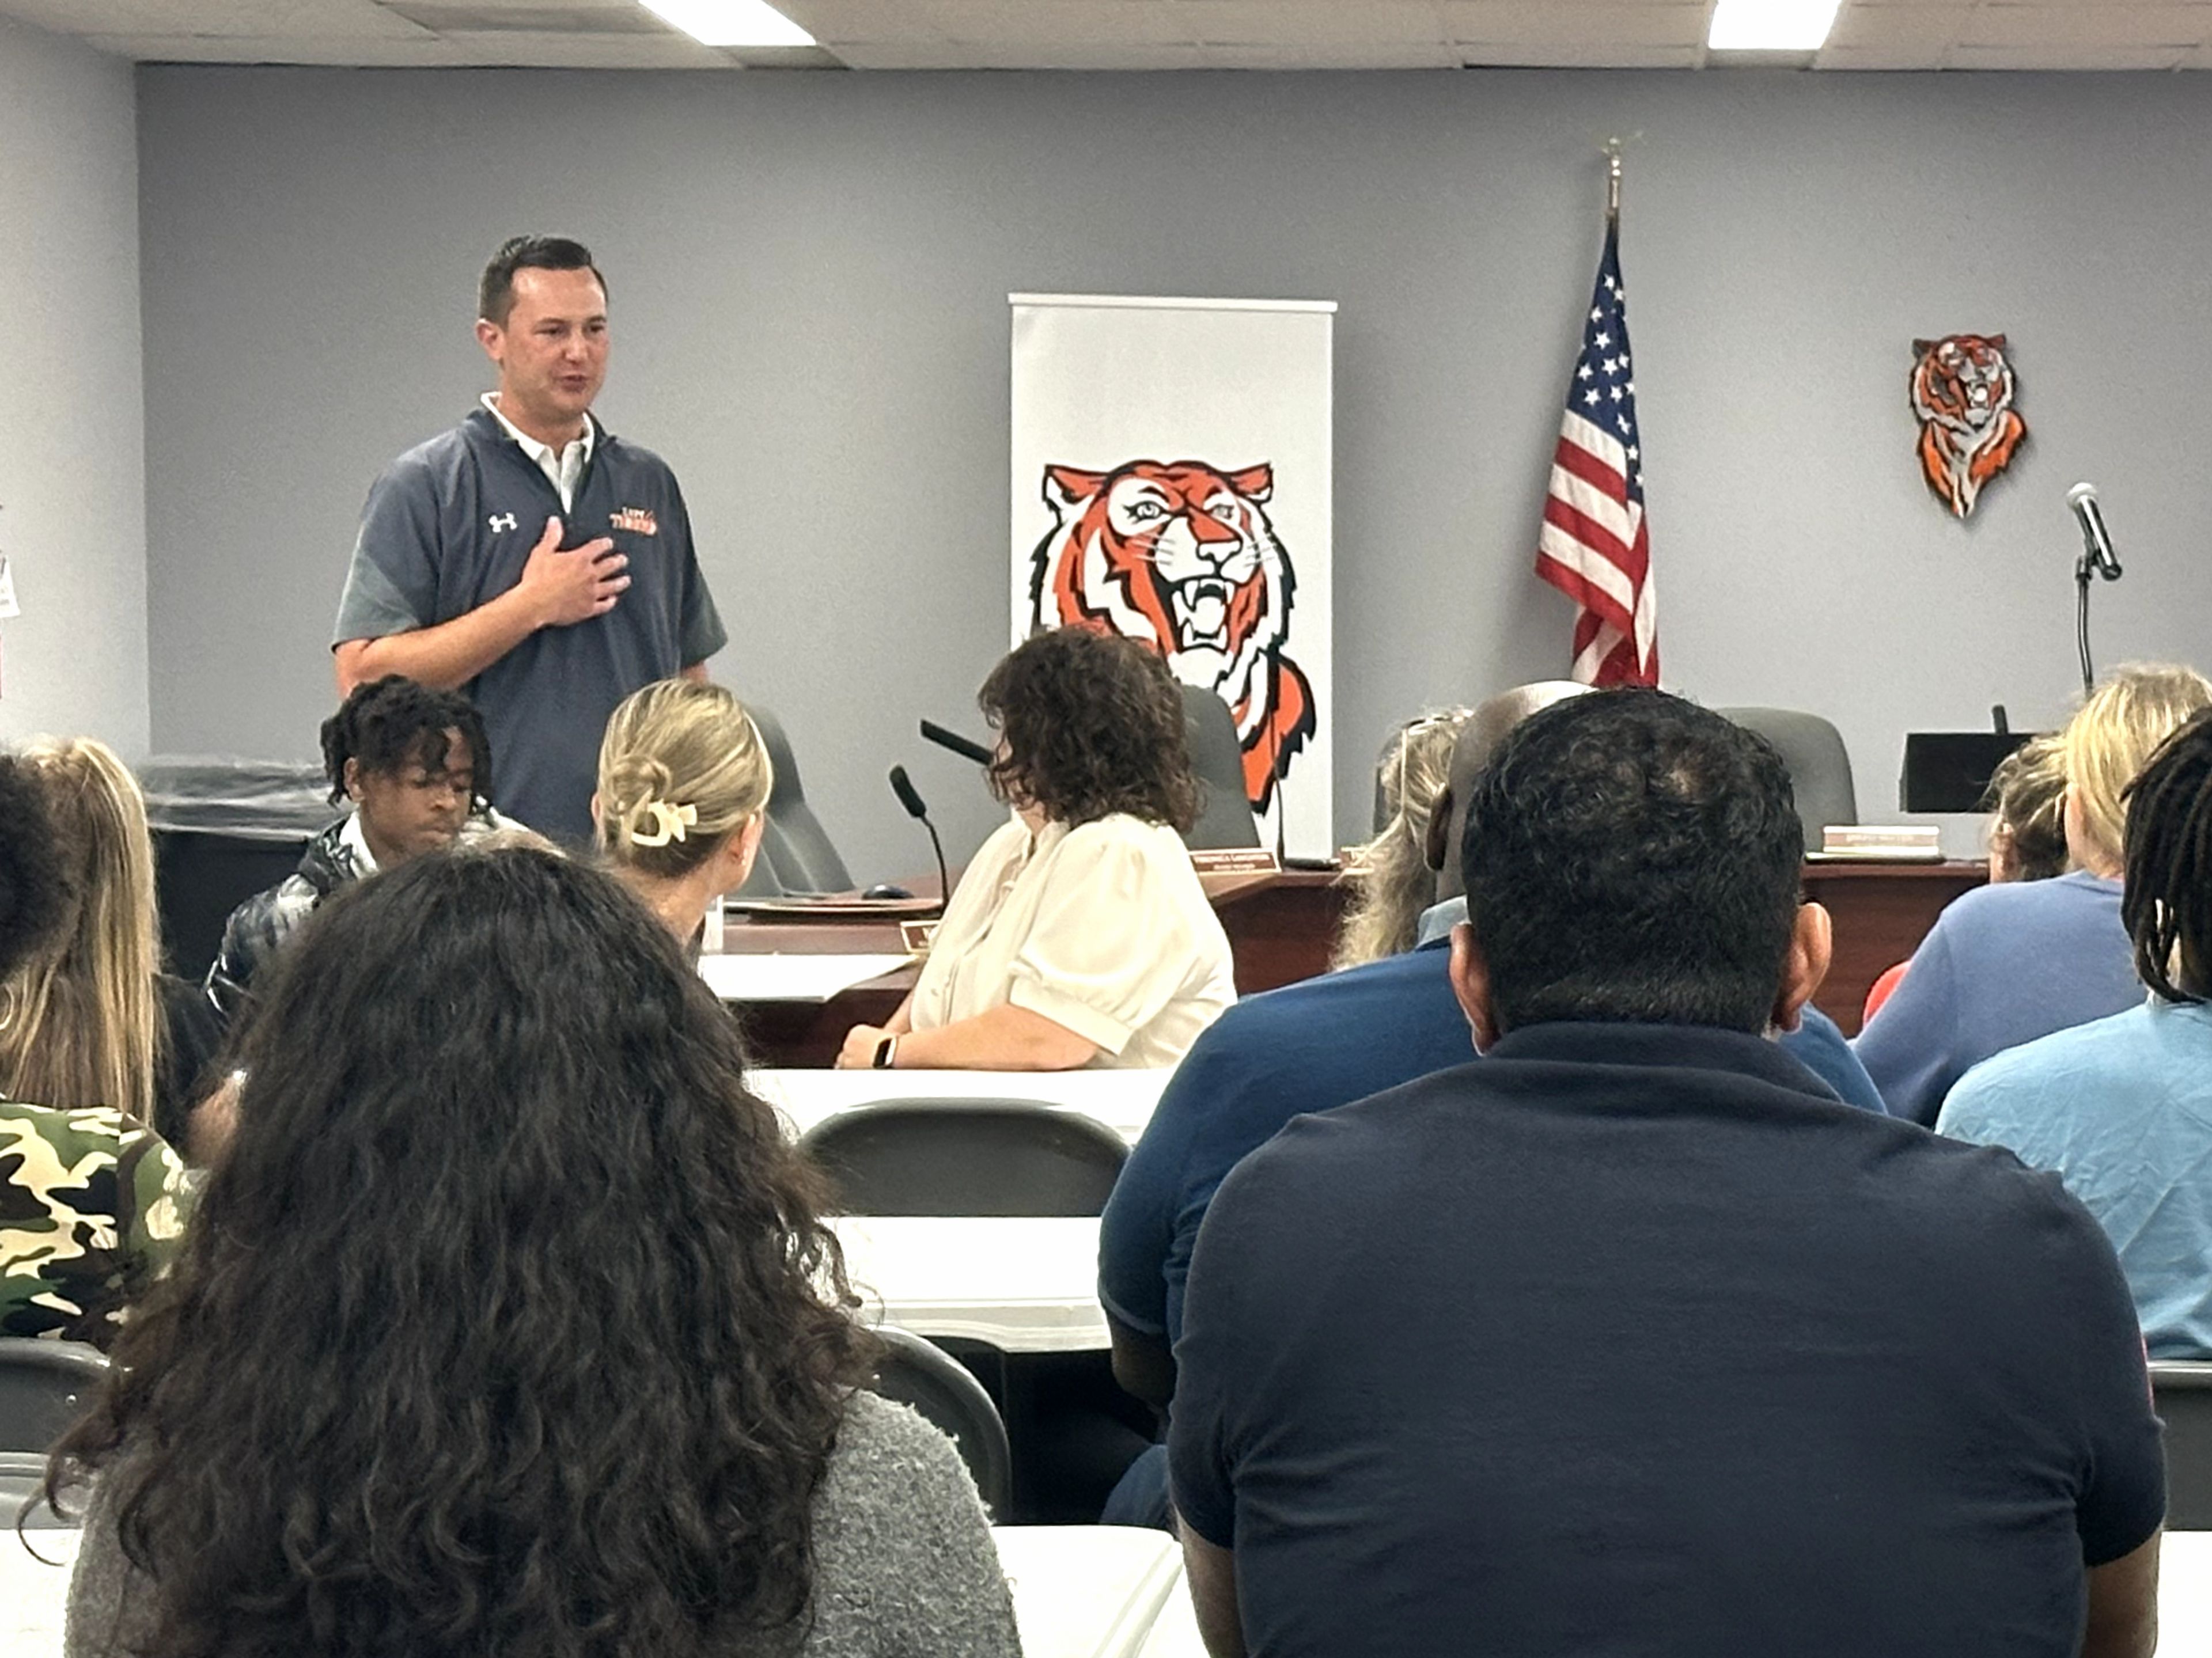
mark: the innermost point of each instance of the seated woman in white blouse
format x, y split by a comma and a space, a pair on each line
1079, 935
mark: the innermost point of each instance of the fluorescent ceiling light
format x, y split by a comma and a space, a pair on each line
1771, 24
731, 22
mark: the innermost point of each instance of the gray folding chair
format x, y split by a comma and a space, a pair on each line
920, 1374
966, 1156
44, 1388
2183, 1391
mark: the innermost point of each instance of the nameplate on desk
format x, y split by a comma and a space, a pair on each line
917, 937
1236, 860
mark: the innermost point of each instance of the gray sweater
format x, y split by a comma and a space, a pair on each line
904, 1566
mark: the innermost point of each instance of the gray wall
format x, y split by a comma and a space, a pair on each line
72, 422
810, 273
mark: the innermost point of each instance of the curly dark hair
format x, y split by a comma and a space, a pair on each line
508, 1323
394, 722
1630, 856
2167, 902
1093, 724
34, 888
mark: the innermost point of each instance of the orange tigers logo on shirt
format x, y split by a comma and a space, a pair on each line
1180, 556
1962, 391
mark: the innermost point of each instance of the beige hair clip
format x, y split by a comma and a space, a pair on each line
669, 822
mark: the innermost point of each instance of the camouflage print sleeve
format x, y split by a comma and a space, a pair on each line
91, 1210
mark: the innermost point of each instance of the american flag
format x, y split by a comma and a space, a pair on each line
1594, 546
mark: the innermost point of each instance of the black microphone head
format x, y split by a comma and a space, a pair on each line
903, 786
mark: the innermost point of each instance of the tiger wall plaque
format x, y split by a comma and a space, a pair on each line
1963, 393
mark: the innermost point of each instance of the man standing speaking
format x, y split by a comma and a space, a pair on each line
529, 555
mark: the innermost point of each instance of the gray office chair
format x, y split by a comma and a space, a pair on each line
967, 1157
2183, 1391
1820, 766
22, 1498
44, 1388
919, 1373
796, 854
1224, 817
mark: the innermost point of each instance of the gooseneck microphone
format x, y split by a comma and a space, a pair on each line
2096, 542
910, 798
2097, 555
966, 748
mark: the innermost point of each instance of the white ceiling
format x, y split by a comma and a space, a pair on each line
1101, 34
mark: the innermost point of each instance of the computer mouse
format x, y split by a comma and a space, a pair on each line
885, 889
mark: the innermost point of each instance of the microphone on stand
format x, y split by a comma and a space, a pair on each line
2096, 554
910, 798
966, 748
2096, 542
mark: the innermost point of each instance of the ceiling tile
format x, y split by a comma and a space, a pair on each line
2098, 28
1020, 24
1882, 57
425, 51
262, 20
1898, 29
830, 20
948, 55
2068, 57
1506, 55
1598, 23
1303, 23
527, 49
1405, 55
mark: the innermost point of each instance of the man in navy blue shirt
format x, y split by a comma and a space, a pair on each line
529, 555
1630, 1336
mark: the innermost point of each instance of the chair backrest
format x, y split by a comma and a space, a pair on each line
44, 1388
796, 849
1820, 766
2183, 1390
1224, 816
974, 1156
922, 1374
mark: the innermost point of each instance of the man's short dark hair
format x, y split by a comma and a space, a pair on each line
394, 722
1632, 857
496, 290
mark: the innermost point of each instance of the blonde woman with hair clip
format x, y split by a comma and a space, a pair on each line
1390, 879
683, 786
2018, 959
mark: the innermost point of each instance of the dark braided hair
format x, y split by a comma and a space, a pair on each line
2167, 904
393, 722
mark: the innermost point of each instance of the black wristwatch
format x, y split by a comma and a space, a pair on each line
886, 1050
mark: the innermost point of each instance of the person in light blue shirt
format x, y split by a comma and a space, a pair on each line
2121, 1109
2011, 962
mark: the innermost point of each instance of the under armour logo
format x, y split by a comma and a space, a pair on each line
502, 521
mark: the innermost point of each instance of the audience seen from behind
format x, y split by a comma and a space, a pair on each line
507, 1324
2026, 800
1079, 935
2011, 961
90, 1194
684, 781
1729, 1366
416, 767
2121, 1108
1311, 1046
1391, 880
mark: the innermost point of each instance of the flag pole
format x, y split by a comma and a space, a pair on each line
1612, 149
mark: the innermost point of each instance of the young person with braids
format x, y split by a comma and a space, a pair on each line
90, 1194
507, 1326
2122, 1109
683, 779
415, 765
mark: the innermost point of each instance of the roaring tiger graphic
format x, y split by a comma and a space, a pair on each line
1962, 391
1180, 556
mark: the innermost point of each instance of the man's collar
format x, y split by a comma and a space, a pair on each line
1668, 1047
1438, 920
530, 446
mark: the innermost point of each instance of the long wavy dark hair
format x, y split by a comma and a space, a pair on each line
506, 1326
1093, 724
